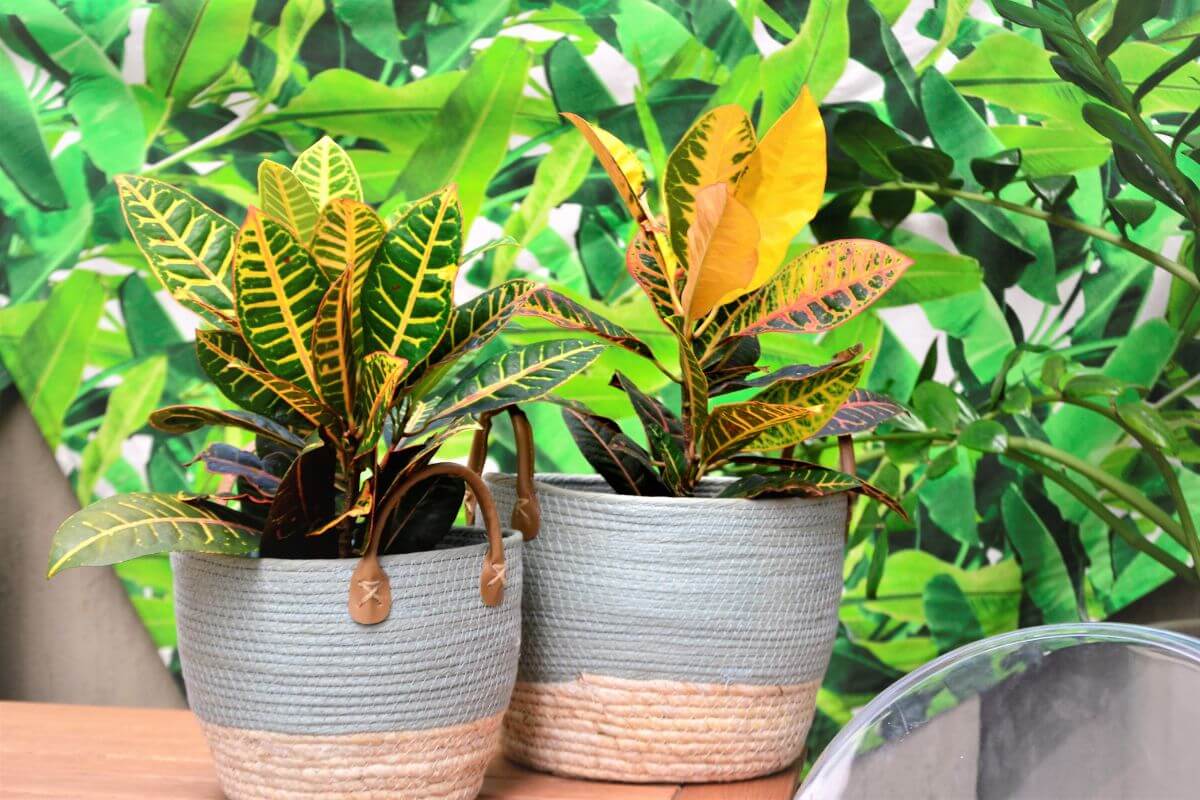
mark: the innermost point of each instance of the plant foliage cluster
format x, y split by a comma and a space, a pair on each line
1036, 162
333, 333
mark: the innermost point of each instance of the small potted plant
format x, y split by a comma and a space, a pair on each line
678, 625
369, 647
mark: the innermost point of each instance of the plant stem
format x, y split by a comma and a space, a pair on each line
1118, 487
1178, 391
1178, 270
1192, 542
1132, 538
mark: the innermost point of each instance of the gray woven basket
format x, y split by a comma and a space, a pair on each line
298, 701
671, 639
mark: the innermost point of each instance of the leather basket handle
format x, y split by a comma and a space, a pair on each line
370, 599
526, 515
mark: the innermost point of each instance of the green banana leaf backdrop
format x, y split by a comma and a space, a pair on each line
938, 114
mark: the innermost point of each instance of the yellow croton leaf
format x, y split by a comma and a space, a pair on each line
715, 149
785, 181
722, 245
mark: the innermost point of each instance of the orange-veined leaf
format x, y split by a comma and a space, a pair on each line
861, 411
126, 526
730, 428
333, 347
564, 312
785, 181
188, 246
644, 262
284, 199
278, 292
379, 376
618, 459
714, 150
722, 251
819, 290
327, 172
409, 289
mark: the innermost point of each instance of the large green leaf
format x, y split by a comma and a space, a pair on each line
191, 43
113, 133
23, 155
47, 361
520, 375
1044, 573
131, 525
373, 23
816, 58
407, 295
188, 246
129, 403
559, 175
469, 135
279, 289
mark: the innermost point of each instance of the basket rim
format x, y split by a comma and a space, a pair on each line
509, 537
551, 483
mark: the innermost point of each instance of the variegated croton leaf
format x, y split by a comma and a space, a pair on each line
188, 246
126, 526
185, 419
285, 200
622, 462
861, 411
327, 173
409, 288
520, 375
566, 313
279, 290
477, 321
731, 428
379, 376
820, 289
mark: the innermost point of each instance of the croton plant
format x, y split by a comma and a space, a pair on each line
336, 334
717, 274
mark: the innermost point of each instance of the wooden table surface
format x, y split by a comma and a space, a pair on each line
89, 753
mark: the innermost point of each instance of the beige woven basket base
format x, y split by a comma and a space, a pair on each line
443, 763
658, 731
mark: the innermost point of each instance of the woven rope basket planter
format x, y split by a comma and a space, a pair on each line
299, 702
672, 640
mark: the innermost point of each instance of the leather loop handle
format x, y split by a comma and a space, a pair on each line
526, 515
848, 465
370, 590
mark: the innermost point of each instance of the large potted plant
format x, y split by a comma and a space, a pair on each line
678, 624
369, 647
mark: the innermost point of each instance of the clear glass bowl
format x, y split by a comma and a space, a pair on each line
1095, 710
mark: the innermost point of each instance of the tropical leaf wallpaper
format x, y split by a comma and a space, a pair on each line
1037, 163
